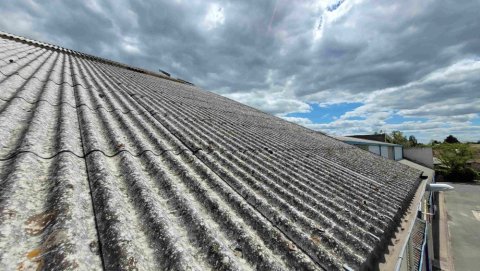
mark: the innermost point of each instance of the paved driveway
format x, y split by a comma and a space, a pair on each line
463, 207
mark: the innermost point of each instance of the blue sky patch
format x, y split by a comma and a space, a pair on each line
326, 114
476, 121
398, 119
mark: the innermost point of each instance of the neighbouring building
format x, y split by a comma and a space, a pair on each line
375, 137
384, 149
420, 155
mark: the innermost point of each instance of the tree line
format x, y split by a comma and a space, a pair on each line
398, 137
453, 154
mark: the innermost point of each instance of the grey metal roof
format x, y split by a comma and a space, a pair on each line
106, 166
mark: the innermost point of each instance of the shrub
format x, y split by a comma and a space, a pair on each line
454, 157
462, 175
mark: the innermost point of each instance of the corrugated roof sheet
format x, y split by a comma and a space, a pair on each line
105, 166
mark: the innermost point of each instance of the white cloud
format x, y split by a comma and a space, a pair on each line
302, 121
131, 45
215, 16
282, 56
279, 100
442, 97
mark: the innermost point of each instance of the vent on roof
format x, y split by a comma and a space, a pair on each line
164, 72
185, 82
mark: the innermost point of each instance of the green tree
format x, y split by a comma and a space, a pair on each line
454, 157
412, 141
434, 142
451, 139
397, 137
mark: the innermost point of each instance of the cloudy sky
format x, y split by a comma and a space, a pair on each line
341, 67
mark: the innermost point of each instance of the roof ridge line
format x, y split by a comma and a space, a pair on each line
88, 56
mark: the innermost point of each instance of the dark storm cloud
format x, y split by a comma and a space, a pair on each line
374, 46
392, 44
279, 55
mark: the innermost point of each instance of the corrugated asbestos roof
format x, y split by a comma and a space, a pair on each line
105, 166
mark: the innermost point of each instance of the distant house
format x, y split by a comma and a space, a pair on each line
387, 150
375, 137
420, 155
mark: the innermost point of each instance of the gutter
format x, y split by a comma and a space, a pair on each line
425, 237
424, 246
412, 223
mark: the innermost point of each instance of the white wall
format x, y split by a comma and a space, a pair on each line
398, 153
384, 151
423, 156
375, 149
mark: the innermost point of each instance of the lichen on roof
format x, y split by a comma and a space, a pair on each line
105, 166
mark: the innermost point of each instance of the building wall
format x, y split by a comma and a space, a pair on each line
398, 153
423, 156
384, 151
374, 148
390, 152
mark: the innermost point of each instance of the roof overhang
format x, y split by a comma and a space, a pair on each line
397, 245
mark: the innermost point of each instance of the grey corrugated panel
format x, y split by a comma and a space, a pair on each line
46, 216
276, 145
221, 113
37, 115
8, 55
131, 251
40, 128
182, 178
186, 222
192, 145
134, 137
87, 56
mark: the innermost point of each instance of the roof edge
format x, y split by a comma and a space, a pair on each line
88, 56
400, 235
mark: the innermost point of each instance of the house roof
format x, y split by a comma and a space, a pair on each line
361, 141
374, 137
107, 166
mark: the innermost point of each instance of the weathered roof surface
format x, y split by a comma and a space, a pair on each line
430, 173
108, 166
